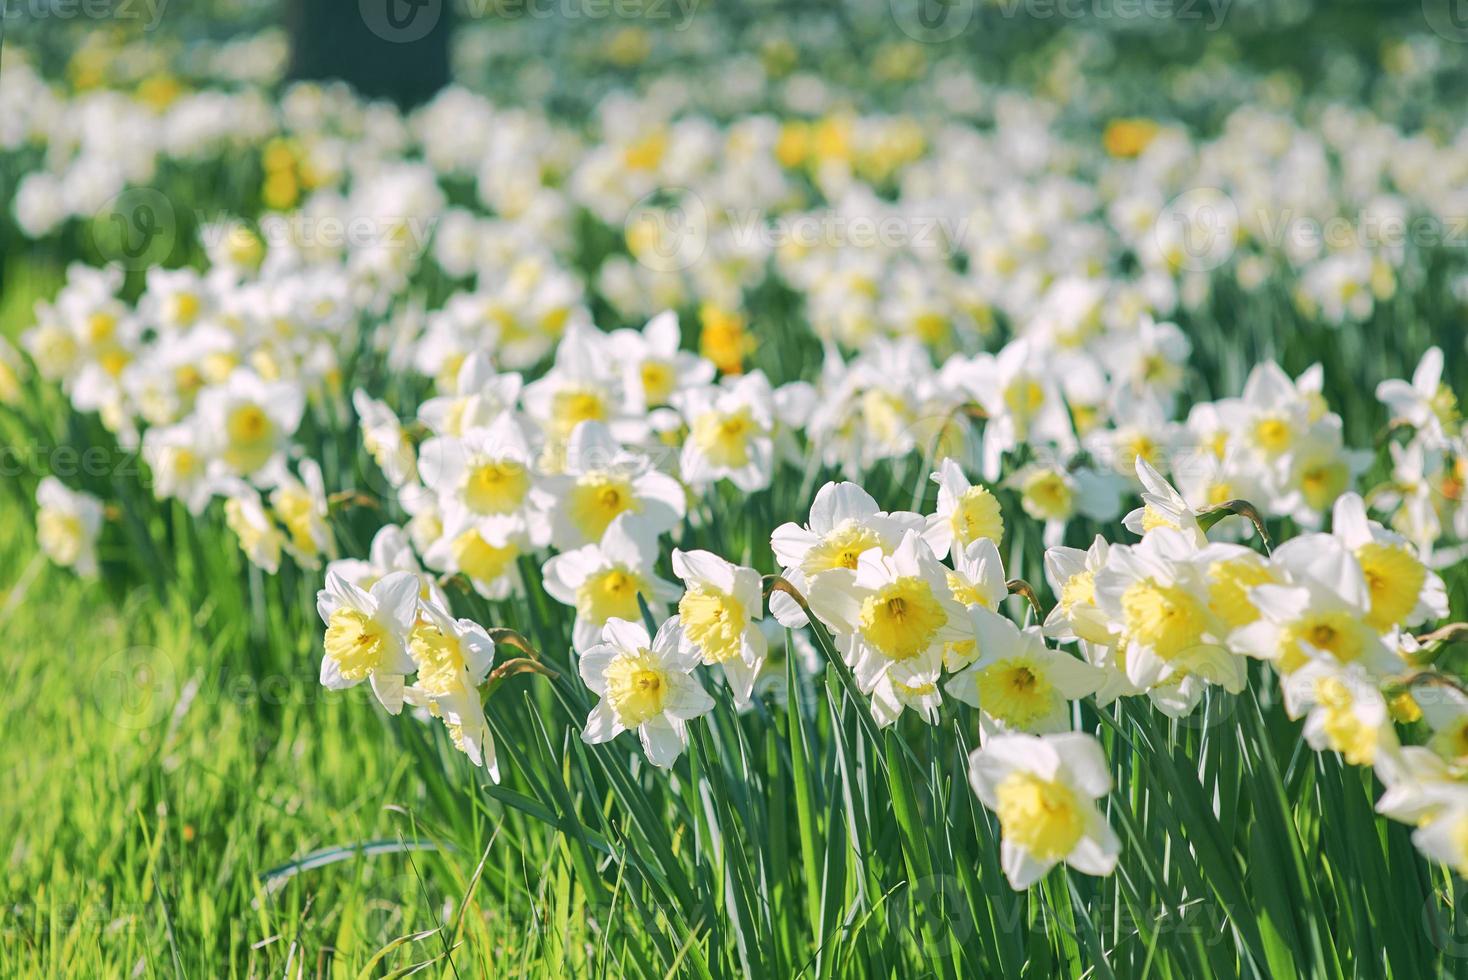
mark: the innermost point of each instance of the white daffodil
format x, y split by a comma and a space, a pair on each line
581, 387
1231, 571
367, 634
177, 461
390, 551
488, 473
977, 579
249, 421
1403, 590
844, 522
1044, 791
385, 439
1162, 506
644, 684
453, 658
1347, 713
729, 434
1155, 599
720, 612
300, 504
1072, 577
485, 550
601, 480
966, 512
602, 581
892, 610
479, 395
1320, 612
67, 525
653, 368
1445, 835
1018, 683
244, 513
1426, 403
1056, 495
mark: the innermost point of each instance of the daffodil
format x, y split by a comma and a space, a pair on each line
644, 684
1403, 590
844, 522
249, 421
1320, 611
259, 537
488, 473
729, 433
1044, 790
367, 634
602, 581
1346, 711
299, 503
1154, 598
385, 439
966, 512
1162, 506
599, 481
1018, 683
720, 612
67, 525
453, 658
485, 550
653, 368
1426, 403
893, 612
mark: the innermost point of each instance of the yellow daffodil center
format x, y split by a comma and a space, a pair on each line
251, 438
714, 620
440, 660
976, 515
636, 687
1047, 496
355, 642
60, 535
496, 487
1078, 590
1228, 589
1323, 482
1344, 729
596, 500
297, 510
1272, 434
1395, 579
1023, 397
657, 382
1015, 691
480, 560
611, 593
1167, 618
724, 437
1040, 815
1335, 633
841, 548
571, 407
901, 619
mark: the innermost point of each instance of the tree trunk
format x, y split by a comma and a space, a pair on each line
387, 49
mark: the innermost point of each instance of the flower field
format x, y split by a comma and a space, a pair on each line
723, 490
